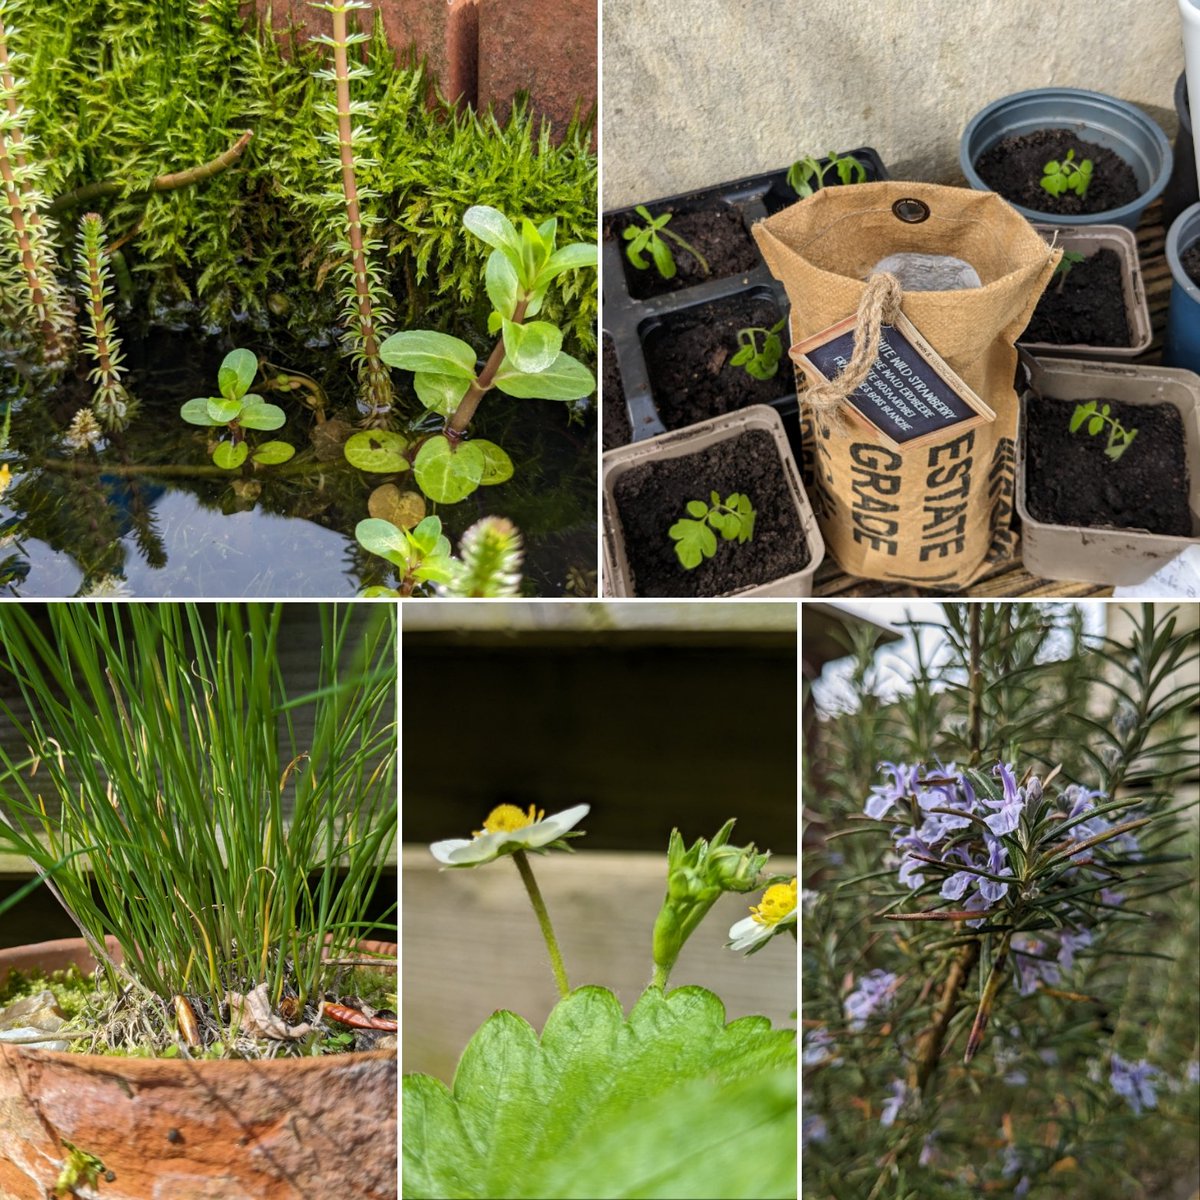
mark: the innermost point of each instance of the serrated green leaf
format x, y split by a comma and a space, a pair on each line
440, 393
195, 412
377, 450
500, 279
235, 376
425, 350
229, 456
221, 411
525, 1116
270, 454
531, 347
447, 473
564, 379
497, 466
261, 415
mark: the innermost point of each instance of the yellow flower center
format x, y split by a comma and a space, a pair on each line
507, 818
777, 901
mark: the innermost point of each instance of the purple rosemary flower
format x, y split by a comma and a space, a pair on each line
1011, 805
813, 1129
891, 1106
874, 991
881, 799
1070, 942
1134, 1081
929, 1151
820, 1049
1108, 896
1032, 965
997, 863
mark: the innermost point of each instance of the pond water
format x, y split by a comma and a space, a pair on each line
151, 511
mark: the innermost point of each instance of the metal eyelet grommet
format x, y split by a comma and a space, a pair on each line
911, 210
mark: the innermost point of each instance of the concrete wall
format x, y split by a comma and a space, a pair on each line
716, 89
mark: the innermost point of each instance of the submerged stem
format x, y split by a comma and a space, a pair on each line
539, 908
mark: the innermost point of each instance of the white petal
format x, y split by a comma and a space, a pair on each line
744, 926
750, 934
442, 850
553, 827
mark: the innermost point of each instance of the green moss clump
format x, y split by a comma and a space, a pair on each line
72, 989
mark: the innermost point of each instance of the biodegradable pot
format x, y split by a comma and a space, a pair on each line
1181, 191
628, 321
682, 442
168, 1129
1182, 347
1087, 242
1105, 120
1118, 557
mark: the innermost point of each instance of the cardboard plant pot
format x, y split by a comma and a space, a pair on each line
173, 1129
1089, 241
696, 440
639, 308
1092, 554
1092, 116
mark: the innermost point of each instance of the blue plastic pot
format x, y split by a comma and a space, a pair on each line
1105, 120
1182, 348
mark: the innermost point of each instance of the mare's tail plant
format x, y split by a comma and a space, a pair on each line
225, 830
27, 273
363, 292
112, 404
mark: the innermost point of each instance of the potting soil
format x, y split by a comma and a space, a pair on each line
1070, 481
1087, 310
1014, 167
652, 497
688, 355
1190, 260
718, 233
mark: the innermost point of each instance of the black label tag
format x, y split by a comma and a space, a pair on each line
910, 397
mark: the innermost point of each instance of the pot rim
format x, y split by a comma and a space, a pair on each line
148, 1068
1180, 239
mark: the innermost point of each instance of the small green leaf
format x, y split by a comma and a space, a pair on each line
377, 536
697, 508
222, 411
440, 393
261, 415
531, 347
377, 591
377, 450
694, 542
576, 256
229, 455
447, 473
427, 537
437, 568
663, 258
270, 454
564, 379
1095, 425
497, 466
503, 287
195, 412
236, 374
493, 227
425, 350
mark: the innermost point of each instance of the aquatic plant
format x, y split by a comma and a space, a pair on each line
363, 290
27, 259
488, 565
527, 362
227, 831
112, 404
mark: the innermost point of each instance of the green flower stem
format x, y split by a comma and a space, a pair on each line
539, 908
660, 976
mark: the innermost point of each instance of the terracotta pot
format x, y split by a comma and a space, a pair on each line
168, 1129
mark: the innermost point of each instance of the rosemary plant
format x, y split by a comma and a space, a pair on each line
164, 748
30, 272
995, 854
363, 291
112, 404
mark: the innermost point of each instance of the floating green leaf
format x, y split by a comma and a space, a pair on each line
236, 374
671, 1102
497, 466
440, 393
381, 537
196, 412
425, 350
270, 454
378, 450
222, 411
564, 379
448, 473
230, 455
257, 414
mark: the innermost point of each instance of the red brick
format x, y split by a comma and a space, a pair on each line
544, 47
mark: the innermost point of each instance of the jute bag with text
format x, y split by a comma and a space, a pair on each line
940, 514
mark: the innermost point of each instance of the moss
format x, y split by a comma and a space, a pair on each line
132, 89
72, 989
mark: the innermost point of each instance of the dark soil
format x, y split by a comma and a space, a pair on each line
1070, 480
1190, 261
1014, 167
688, 360
651, 498
1087, 310
615, 425
719, 233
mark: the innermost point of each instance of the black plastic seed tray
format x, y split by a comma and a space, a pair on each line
633, 323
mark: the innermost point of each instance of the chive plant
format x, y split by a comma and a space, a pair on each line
164, 747
1001, 859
